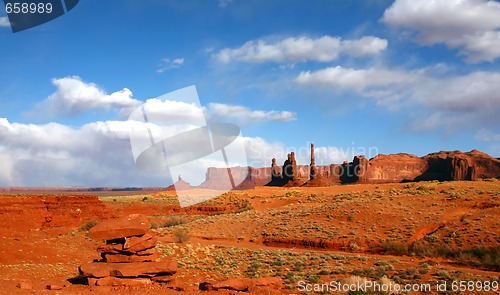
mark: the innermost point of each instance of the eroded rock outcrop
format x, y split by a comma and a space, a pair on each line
243, 178
395, 168
460, 166
25, 212
179, 185
442, 166
314, 169
128, 257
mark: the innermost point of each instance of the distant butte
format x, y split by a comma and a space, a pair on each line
441, 166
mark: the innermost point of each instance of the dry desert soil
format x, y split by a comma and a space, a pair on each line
413, 233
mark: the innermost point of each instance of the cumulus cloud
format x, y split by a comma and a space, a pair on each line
449, 101
74, 96
467, 93
167, 64
96, 154
457, 102
244, 114
4, 21
354, 79
178, 112
471, 26
173, 111
302, 49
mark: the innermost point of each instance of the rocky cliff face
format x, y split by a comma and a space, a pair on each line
460, 166
244, 177
442, 166
395, 168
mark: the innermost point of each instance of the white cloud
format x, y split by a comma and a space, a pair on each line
4, 21
74, 96
244, 114
178, 112
173, 111
471, 26
457, 102
451, 102
167, 64
52, 154
301, 49
96, 154
468, 93
353, 79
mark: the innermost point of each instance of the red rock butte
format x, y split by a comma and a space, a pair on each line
394, 168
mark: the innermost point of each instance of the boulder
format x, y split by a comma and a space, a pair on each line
233, 284
54, 287
128, 226
205, 286
100, 270
92, 281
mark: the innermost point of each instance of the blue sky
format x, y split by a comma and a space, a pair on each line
350, 76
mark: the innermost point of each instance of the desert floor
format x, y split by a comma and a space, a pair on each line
413, 233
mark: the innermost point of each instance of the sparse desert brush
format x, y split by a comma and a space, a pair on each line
387, 283
480, 256
409, 185
181, 235
88, 225
443, 274
357, 281
394, 248
172, 221
175, 220
243, 209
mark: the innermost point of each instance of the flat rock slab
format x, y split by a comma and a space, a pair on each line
127, 226
136, 244
112, 281
111, 248
122, 258
135, 269
234, 284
